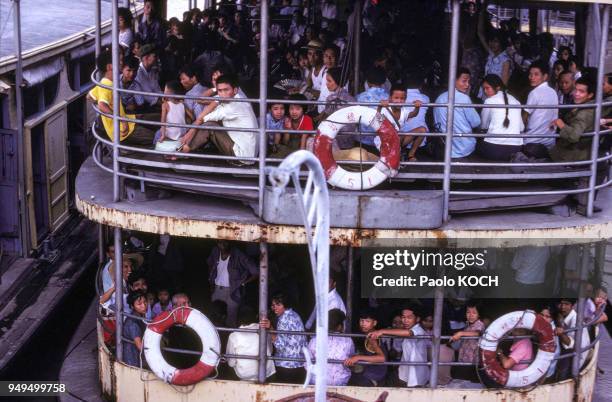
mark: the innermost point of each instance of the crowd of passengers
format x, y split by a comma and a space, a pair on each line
391, 330
215, 53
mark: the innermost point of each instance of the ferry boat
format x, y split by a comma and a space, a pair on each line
203, 198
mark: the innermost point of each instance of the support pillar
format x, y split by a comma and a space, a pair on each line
263, 311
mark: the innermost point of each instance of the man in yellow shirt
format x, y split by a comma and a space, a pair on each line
130, 133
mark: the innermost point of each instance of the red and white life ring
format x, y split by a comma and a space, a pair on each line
544, 357
387, 165
211, 346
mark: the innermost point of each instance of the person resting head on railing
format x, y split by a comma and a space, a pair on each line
134, 328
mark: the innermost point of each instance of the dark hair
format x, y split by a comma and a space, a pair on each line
412, 307
413, 80
376, 76
473, 304
131, 62
540, 65
574, 59
230, 79
463, 70
368, 313
336, 74
563, 63
397, 87
134, 296
135, 276
496, 82
188, 70
500, 36
104, 59
175, 87
562, 48
336, 318
297, 97
333, 48
126, 14
609, 78
283, 299
588, 83
566, 72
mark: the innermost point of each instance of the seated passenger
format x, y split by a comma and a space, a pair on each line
126, 35
247, 343
330, 57
416, 124
297, 120
228, 114
138, 283
499, 121
465, 119
133, 330
286, 345
468, 351
275, 120
520, 351
164, 303
572, 144
400, 115
371, 352
596, 305
538, 121
129, 133
338, 348
375, 79
189, 81
128, 73
147, 79
173, 112
565, 91
150, 28
413, 349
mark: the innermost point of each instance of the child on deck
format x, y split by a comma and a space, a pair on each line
164, 303
173, 112
297, 120
275, 120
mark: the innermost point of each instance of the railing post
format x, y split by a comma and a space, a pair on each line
437, 332
263, 105
580, 312
119, 292
263, 311
101, 244
98, 30
350, 270
24, 220
357, 46
598, 100
116, 101
452, 70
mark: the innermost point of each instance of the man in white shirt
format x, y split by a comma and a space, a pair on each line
229, 114
538, 121
333, 301
413, 349
247, 343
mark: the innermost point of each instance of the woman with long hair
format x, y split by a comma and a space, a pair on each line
499, 121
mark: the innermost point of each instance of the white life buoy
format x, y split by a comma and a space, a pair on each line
388, 164
498, 328
211, 346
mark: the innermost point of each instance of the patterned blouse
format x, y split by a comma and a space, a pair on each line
468, 351
339, 348
289, 345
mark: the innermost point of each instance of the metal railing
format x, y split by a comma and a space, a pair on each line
447, 174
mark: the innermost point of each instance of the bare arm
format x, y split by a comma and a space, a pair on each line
506, 72
164, 119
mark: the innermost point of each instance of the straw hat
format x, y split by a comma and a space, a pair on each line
314, 45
